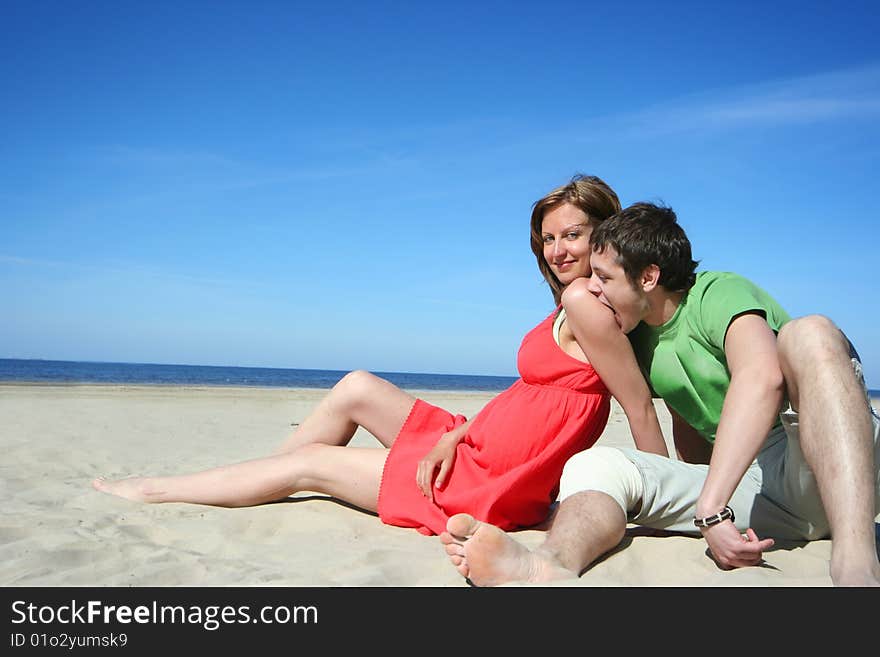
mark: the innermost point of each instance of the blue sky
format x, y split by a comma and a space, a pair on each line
291, 184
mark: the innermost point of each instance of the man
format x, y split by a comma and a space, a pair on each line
726, 359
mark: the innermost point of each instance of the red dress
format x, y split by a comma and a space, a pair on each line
507, 468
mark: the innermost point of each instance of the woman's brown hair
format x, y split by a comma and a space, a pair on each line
589, 194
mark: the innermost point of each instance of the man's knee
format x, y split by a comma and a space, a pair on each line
604, 469
813, 337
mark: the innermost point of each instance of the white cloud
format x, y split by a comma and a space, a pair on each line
846, 94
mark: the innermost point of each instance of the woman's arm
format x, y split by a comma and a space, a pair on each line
610, 353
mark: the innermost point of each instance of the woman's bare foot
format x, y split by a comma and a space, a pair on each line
136, 489
488, 557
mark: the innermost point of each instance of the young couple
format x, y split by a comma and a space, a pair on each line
721, 353
771, 419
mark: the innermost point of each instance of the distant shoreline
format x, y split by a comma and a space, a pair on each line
44, 372
173, 387
32, 371
230, 388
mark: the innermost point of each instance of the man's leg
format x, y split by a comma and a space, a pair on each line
597, 485
837, 440
586, 526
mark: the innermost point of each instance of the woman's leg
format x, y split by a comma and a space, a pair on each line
359, 399
314, 458
352, 474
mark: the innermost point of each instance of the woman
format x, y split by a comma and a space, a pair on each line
503, 466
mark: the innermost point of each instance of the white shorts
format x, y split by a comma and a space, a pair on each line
777, 497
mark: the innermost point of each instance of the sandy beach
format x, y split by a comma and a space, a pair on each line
57, 531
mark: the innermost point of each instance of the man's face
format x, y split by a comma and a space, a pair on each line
611, 286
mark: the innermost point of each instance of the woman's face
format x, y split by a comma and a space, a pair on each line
566, 232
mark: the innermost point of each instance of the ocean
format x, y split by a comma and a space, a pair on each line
14, 370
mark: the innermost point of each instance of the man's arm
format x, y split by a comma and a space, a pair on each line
751, 406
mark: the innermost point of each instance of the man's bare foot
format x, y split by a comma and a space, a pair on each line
488, 557
136, 489
855, 574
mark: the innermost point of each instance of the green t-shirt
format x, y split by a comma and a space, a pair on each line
684, 358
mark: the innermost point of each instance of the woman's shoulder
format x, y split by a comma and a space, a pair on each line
584, 308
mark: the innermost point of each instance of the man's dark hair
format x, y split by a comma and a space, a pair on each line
645, 234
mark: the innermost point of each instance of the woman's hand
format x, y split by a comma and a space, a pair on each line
442, 456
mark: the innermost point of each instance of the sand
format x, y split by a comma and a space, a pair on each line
57, 531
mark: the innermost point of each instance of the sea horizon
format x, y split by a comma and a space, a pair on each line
47, 371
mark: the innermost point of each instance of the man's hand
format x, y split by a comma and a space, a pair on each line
730, 549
